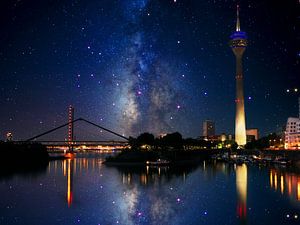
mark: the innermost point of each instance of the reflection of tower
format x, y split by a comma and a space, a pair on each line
70, 182
70, 126
241, 188
238, 44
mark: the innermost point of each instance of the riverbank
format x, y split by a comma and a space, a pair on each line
172, 157
184, 157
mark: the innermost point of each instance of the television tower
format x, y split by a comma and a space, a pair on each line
238, 44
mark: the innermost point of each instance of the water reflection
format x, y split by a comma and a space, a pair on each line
285, 182
147, 175
153, 193
84, 191
159, 176
67, 168
241, 188
70, 181
133, 177
241, 183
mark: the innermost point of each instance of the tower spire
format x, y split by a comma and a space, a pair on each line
238, 26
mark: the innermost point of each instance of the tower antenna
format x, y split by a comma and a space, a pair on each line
238, 25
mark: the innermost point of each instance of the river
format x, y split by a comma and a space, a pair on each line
84, 191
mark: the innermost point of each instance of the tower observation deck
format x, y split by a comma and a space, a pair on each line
238, 43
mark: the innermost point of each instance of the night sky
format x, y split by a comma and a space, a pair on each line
145, 65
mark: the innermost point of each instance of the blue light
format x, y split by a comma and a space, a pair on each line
238, 35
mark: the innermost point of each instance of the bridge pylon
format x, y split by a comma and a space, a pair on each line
70, 127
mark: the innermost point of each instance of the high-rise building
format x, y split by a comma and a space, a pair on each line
208, 128
299, 106
252, 134
292, 132
238, 44
9, 136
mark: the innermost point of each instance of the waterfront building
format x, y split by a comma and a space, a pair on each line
9, 136
223, 137
299, 106
208, 128
252, 134
238, 44
292, 132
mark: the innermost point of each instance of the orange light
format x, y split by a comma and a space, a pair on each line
69, 188
271, 178
64, 168
144, 179
70, 155
281, 184
289, 185
275, 181
298, 190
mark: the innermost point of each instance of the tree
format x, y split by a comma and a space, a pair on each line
172, 140
145, 139
265, 142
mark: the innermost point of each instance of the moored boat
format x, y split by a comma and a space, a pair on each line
159, 162
281, 161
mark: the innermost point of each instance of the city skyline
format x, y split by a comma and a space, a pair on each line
125, 64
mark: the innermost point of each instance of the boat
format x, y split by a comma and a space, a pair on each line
159, 162
281, 161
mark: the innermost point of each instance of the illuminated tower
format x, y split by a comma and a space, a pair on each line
238, 44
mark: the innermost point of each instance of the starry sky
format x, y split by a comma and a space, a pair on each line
145, 65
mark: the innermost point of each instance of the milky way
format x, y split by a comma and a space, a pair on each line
145, 65
148, 95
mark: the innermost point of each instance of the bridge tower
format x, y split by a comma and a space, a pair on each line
70, 126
